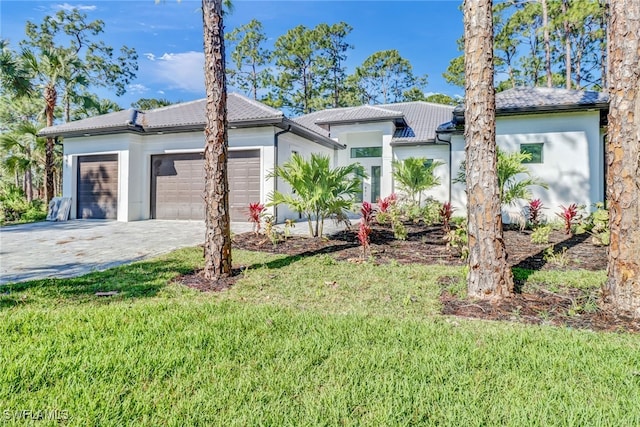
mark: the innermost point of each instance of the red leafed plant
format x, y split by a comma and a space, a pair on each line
255, 215
367, 212
445, 212
569, 215
535, 209
364, 230
387, 202
363, 237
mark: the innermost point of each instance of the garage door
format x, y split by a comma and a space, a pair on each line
97, 187
177, 185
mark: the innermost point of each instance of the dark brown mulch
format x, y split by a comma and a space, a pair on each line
425, 245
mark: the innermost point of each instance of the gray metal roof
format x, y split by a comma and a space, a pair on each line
418, 120
532, 99
186, 115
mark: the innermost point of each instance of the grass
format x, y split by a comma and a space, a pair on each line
298, 341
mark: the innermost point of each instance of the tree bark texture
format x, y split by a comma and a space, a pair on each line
489, 275
217, 248
50, 99
547, 42
623, 156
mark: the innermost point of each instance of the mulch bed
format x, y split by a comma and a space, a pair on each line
568, 307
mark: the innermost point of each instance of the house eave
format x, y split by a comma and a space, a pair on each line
299, 130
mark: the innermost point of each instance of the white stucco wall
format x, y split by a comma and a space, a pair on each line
438, 153
573, 158
376, 134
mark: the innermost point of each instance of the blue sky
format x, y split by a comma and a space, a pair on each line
168, 35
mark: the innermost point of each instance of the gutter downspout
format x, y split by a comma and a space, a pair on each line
275, 164
448, 142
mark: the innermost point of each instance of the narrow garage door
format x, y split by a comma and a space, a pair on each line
97, 187
177, 185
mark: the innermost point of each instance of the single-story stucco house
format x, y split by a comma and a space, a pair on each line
135, 165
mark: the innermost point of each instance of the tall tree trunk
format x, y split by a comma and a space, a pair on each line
567, 43
604, 57
217, 247
489, 275
28, 184
623, 156
50, 99
547, 43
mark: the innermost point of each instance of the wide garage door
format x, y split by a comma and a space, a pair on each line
98, 187
177, 185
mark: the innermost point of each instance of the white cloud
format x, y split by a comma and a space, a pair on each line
68, 7
137, 88
150, 56
184, 71
161, 92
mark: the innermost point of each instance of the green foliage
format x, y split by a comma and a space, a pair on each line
415, 175
318, 191
458, 240
310, 65
14, 206
441, 98
510, 169
519, 45
145, 104
560, 259
540, 234
249, 70
597, 225
385, 76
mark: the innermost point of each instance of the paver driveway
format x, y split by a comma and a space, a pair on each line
72, 248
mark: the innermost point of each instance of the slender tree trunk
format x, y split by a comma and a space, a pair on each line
547, 43
604, 69
217, 247
50, 98
567, 43
623, 156
489, 275
28, 184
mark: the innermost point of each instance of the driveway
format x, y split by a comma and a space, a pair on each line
73, 248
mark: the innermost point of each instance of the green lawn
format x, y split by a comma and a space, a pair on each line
298, 341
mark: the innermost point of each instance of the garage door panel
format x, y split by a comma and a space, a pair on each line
97, 187
177, 188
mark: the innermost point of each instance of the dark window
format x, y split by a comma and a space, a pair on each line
535, 150
366, 152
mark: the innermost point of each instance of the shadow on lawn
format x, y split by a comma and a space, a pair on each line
290, 259
536, 262
139, 280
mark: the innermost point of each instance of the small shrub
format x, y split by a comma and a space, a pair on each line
560, 259
363, 237
383, 218
597, 224
569, 216
288, 225
431, 212
458, 240
256, 212
385, 204
535, 209
445, 212
270, 230
399, 230
540, 235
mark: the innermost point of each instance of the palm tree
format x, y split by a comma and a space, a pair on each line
49, 70
623, 156
489, 274
415, 175
23, 147
512, 186
318, 191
